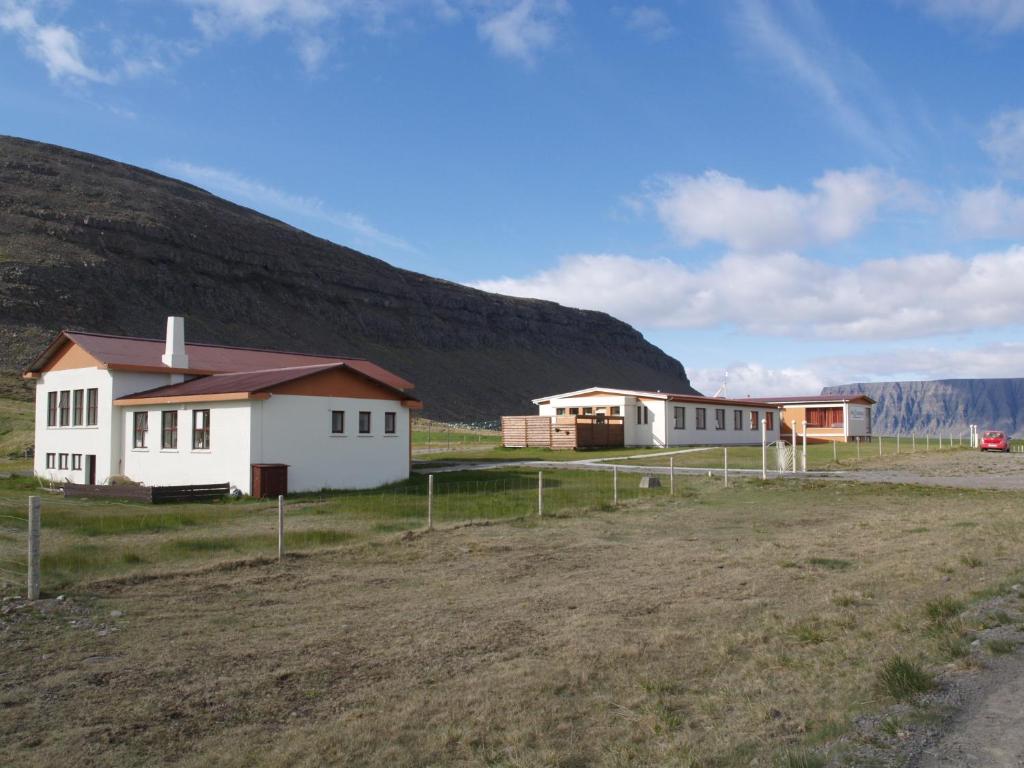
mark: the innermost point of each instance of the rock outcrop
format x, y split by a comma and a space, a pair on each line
91, 244
945, 406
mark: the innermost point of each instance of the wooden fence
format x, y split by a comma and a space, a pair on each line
562, 432
526, 431
148, 494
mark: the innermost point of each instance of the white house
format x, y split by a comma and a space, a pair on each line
662, 419
171, 413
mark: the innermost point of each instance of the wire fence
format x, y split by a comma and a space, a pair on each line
13, 546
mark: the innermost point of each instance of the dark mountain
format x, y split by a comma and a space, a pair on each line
946, 406
91, 244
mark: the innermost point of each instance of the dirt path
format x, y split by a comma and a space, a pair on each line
989, 734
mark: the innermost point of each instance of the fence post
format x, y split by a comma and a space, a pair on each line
725, 464
280, 527
671, 475
858, 447
879, 445
897, 443
913, 443
540, 494
33, 547
430, 502
615, 485
764, 447
803, 456
835, 452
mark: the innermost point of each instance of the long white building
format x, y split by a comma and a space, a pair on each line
662, 419
163, 412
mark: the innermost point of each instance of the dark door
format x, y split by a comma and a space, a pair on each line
90, 469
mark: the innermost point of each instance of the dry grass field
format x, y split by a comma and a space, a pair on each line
723, 627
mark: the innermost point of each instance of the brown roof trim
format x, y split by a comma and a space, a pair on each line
213, 398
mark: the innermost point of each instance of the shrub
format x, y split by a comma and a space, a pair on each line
903, 678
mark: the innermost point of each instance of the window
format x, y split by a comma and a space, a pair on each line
755, 420
639, 414
51, 460
680, 414
51, 409
65, 407
702, 418
76, 407
737, 419
588, 411
825, 417
615, 411
76, 461
719, 418
364, 422
201, 429
559, 411
769, 420
574, 411
337, 422
389, 423
139, 428
62, 460
169, 429
92, 397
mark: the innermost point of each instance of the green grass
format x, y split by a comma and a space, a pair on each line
799, 758
943, 609
903, 679
16, 434
1000, 647
830, 563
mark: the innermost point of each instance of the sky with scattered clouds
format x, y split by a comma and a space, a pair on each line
800, 193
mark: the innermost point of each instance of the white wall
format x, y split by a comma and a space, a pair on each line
858, 420
84, 440
712, 436
296, 430
226, 460
106, 439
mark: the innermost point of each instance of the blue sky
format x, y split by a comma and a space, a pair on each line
798, 193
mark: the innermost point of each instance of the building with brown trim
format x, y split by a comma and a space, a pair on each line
163, 412
659, 419
830, 418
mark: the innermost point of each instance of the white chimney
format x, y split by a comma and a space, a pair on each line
174, 353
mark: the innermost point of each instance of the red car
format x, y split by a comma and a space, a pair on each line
995, 441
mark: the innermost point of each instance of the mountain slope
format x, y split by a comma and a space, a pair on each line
91, 244
945, 406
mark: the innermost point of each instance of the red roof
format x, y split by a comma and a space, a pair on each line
126, 351
813, 399
246, 381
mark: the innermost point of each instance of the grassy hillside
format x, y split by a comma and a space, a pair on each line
15, 434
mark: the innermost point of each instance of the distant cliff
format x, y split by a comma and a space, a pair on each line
945, 406
91, 244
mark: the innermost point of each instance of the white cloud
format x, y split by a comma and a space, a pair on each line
905, 363
990, 212
216, 18
1005, 142
56, 46
999, 15
725, 209
842, 81
238, 187
651, 21
757, 380
790, 295
521, 30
